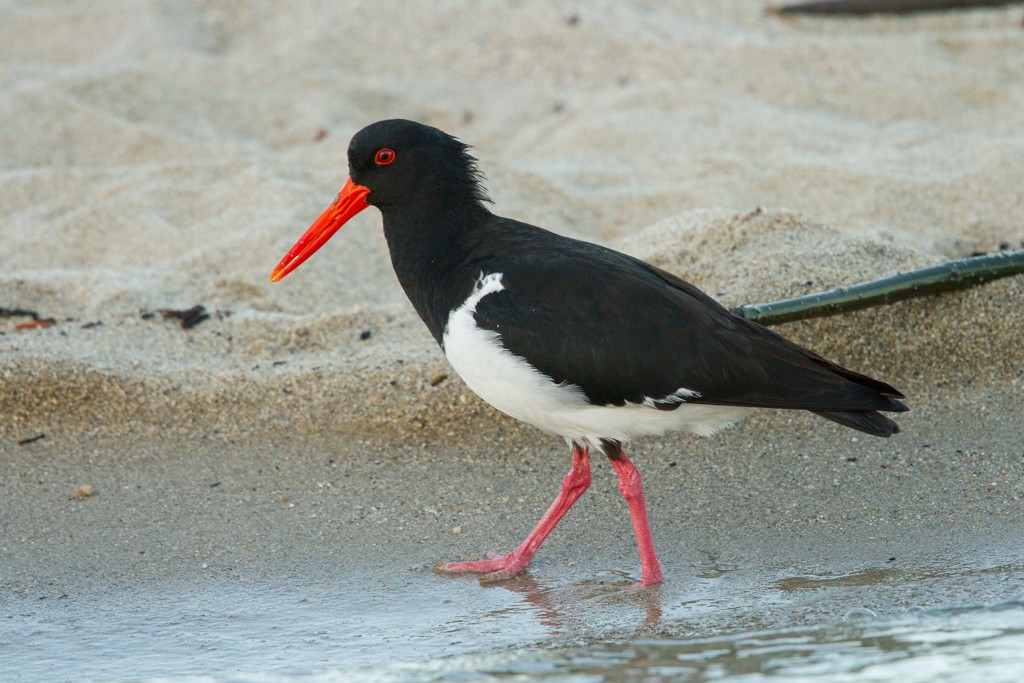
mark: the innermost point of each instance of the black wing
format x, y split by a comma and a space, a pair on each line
623, 330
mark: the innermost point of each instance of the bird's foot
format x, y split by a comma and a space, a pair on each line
647, 582
495, 568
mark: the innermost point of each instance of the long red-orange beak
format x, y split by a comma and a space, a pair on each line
351, 200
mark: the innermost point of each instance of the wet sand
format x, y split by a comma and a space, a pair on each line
222, 552
300, 446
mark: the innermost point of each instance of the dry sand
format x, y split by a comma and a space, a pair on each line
162, 155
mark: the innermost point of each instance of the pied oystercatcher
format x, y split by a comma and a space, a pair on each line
571, 337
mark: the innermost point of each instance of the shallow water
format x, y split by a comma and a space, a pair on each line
966, 644
723, 624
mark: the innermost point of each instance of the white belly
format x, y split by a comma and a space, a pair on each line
514, 387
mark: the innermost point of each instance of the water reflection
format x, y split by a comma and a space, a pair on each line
556, 608
983, 644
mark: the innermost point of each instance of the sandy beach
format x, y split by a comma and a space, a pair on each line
308, 440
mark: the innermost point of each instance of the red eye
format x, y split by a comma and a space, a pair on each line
383, 157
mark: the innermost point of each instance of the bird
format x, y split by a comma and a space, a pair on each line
574, 338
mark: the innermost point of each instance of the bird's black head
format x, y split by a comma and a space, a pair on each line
411, 172
407, 163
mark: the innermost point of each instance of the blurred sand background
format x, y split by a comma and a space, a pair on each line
159, 155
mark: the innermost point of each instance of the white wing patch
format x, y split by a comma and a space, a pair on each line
678, 396
518, 389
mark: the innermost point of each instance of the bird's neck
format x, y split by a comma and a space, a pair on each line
431, 251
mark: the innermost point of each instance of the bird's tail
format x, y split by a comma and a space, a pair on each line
868, 421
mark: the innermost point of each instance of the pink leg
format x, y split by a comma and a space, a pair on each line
632, 489
502, 567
